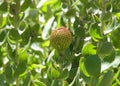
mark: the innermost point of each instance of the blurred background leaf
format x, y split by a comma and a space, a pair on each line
27, 58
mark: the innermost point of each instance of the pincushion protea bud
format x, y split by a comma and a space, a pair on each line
61, 38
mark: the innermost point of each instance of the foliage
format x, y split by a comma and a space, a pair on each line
28, 59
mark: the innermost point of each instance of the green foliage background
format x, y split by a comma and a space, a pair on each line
27, 59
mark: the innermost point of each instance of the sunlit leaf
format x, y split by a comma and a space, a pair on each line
95, 32
49, 13
3, 20
39, 83
89, 49
118, 16
37, 66
82, 68
55, 73
22, 54
46, 43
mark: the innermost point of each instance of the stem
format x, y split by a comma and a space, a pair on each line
16, 23
16, 55
17, 82
17, 62
68, 22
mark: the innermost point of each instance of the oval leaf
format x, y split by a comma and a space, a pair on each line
14, 36
107, 78
104, 49
93, 65
115, 37
55, 73
21, 67
9, 73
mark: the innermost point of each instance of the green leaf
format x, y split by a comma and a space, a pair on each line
9, 73
11, 52
72, 73
93, 65
94, 31
26, 35
110, 57
14, 36
55, 73
37, 66
84, 72
80, 32
22, 54
21, 67
89, 49
46, 43
62, 21
104, 49
55, 83
25, 5
39, 83
27, 80
64, 1
1, 62
107, 16
33, 13
71, 12
118, 15
2, 37
96, 18
49, 13
22, 26
3, 21
66, 83
4, 7
115, 37
2, 80
14, 9
77, 24
107, 78
64, 74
